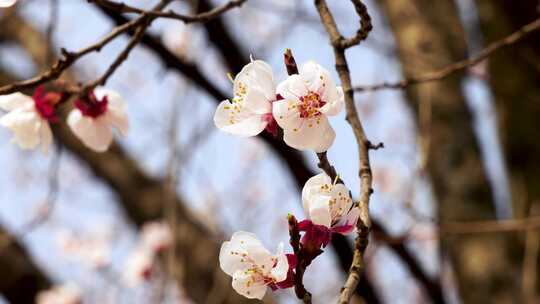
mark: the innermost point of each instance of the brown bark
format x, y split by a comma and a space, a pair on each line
429, 36
514, 78
21, 278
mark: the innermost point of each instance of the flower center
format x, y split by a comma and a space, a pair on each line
237, 104
91, 106
310, 105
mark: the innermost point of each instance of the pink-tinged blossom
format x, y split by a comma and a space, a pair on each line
139, 266
7, 3
94, 252
250, 110
156, 236
308, 98
94, 117
252, 267
63, 294
329, 204
29, 117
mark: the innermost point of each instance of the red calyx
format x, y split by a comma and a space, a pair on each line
316, 236
45, 103
91, 106
289, 281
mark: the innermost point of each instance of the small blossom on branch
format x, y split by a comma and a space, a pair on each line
7, 3
253, 268
94, 117
250, 110
330, 209
29, 117
308, 98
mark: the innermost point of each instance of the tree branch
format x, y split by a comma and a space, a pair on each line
339, 45
202, 17
457, 66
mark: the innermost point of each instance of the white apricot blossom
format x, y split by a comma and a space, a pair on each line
63, 294
94, 117
7, 3
139, 266
156, 236
29, 118
329, 204
308, 98
154, 239
252, 267
250, 110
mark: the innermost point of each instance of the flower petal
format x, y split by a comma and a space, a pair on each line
292, 88
286, 114
314, 187
350, 220
343, 201
25, 125
333, 105
13, 101
244, 284
95, 133
315, 76
241, 252
319, 211
7, 3
117, 118
114, 98
238, 120
313, 134
279, 272
256, 75
257, 102
318, 80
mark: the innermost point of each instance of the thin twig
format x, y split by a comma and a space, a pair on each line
457, 66
530, 261
45, 211
203, 17
302, 261
53, 20
69, 58
145, 22
495, 226
340, 44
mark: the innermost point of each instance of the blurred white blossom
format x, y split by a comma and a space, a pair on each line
93, 118
63, 294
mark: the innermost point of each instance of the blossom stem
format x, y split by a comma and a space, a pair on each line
303, 261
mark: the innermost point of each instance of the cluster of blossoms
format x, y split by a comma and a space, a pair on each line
92, 119
62, 294
253, 268
156, 237
299, 106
